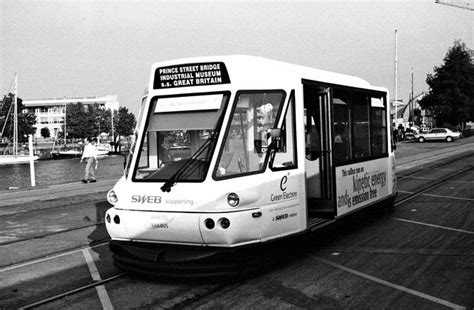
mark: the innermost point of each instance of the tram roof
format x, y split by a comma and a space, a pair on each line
260, 68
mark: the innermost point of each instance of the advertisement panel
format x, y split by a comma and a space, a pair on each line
360, 184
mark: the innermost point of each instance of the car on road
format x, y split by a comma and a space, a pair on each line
438, 134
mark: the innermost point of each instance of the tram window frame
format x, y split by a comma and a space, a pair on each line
352, 99
342, 125
216, 175
360, 125
289, 120
378, 133
148, 134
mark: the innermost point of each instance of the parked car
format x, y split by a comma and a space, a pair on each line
440, 134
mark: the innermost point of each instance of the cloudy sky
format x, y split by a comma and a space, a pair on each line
94, 48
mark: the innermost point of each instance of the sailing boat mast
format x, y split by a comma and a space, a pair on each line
15, 118
65, 126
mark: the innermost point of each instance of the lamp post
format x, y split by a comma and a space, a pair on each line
396, 78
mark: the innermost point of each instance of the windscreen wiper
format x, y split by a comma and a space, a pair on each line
177, 175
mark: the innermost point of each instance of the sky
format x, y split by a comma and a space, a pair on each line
96, 48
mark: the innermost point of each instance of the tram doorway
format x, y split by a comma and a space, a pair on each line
318, 162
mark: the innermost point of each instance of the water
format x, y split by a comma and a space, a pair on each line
58, 171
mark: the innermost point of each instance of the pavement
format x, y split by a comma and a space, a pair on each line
412, 154
408, 155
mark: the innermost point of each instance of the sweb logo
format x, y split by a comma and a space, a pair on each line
146, 199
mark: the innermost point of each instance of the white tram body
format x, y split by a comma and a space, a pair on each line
240, 150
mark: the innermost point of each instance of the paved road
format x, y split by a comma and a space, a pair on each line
420, 256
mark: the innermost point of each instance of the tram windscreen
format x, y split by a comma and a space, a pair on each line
180, 137
246, 142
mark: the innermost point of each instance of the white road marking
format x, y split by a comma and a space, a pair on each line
389, 284
101, 291
435, 226
40, 260
439, 196
449, 197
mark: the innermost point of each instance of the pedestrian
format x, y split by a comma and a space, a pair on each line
90, 155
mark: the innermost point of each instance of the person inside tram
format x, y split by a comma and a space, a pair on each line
340, 142
313, 139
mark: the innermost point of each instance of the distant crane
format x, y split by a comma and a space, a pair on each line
467, 5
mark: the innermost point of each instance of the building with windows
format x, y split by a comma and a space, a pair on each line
50, 113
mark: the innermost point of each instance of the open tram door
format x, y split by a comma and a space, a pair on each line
318, 162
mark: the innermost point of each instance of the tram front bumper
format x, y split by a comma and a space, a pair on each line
224, 229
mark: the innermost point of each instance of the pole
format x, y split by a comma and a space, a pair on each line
412, 99
396, 78
113, 133
15, 119
32, 161
65, 126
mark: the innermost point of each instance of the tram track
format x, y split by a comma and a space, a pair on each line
55, 204
436, 165
431, 186
51, 234
19, 208
71, 292
223, 287
53, 256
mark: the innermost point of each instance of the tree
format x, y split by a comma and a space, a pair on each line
45, 133
104, 120
451, 94
124, 122
76, 121
26, 121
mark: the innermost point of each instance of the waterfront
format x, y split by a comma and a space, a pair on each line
49, 172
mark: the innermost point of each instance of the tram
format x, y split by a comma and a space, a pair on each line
233, 152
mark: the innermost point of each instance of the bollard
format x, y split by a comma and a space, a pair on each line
32, 160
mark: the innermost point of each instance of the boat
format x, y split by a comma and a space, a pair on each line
16, 157
102, 149
66, 154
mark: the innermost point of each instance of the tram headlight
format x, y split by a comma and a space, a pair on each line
233, 200
112, 197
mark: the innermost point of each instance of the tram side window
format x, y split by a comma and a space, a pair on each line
144, 157
341, 126
246, 142
286, 157
378, 120
360, 125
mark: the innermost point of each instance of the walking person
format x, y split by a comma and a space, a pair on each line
90, 155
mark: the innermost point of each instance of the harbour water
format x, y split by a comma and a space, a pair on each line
48, 172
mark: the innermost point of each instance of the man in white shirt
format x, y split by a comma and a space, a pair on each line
90, 155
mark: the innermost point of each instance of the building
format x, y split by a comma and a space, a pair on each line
50, 113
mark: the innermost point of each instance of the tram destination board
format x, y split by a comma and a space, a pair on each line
186, 75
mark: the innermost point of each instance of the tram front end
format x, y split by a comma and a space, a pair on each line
196, 197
